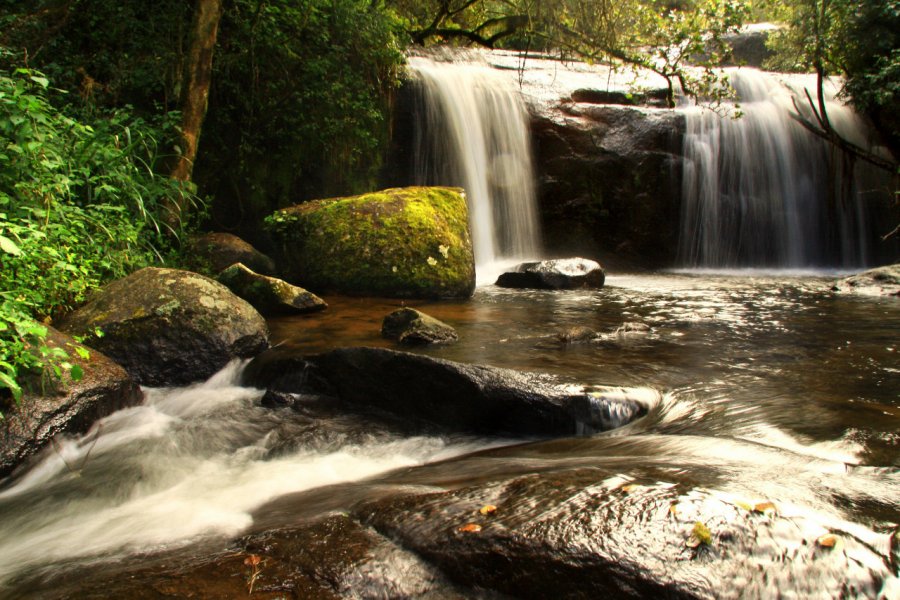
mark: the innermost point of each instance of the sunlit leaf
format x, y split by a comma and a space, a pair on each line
9, 246
766, 508
829, 540
488, 509
470, 528
699, 535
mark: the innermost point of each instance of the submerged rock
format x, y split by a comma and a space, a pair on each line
219, 251
883, 281
63, 406
558, 274
414, 328
169, 327
269, 295
451, 396
401, 243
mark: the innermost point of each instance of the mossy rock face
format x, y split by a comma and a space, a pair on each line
401, 243
169, 327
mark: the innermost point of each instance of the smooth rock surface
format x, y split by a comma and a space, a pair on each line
558, 274
448, 395
169, 327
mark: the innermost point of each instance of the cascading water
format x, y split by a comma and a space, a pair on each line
762, 191
473, 133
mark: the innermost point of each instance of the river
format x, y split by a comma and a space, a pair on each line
769, 388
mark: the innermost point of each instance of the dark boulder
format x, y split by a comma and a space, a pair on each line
558, 274
268, 295
64, 406
414, 328
169, 327
451, 396
219, 251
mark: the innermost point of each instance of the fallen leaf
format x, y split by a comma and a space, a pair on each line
470, 528
766, 508
631, 487
829, 540
674, 509
488, 509
252, 560
699, 535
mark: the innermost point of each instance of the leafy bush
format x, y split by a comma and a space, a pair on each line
79, 205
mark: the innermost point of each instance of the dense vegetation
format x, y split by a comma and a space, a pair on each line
298, 105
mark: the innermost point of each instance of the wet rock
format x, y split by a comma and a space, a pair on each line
584, 533
609, 179
65, 406
268, 295
749, 47
414, 328
401, 243
558, 274
598, 96
328, 559
448, 395
169, 327
219, 251
577, 334
883, 281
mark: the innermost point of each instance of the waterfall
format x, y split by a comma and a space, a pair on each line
473, 133
762, 191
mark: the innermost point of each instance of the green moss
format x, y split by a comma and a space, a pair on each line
403, 242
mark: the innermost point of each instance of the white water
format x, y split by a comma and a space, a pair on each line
474, 134
188, 464
757, 191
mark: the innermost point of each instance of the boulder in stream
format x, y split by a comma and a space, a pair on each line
63, 406
882, 281
448, 395
268, 295
220, 250
169, 327
400, 243
557, 274
414, 328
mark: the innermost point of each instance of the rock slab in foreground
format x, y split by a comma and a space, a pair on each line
400, 243
558, 274
169, 327
71, 408
883, 281
414, 328
452, 396
268, 295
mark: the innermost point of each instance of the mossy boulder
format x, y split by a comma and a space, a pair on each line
401, 243
169, 327
269, 295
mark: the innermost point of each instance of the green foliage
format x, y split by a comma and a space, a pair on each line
299, 103
858, 40
78, 206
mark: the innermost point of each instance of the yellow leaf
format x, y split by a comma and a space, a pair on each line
699, 535
488, 509
767, 508
630, 488
470, 528
829, 540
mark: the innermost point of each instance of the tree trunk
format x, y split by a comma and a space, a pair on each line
194, 94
